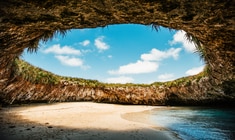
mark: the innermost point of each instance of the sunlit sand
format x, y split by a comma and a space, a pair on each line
82, 120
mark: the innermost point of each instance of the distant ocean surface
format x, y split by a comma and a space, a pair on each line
197, 123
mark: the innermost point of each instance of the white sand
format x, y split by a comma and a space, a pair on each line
83, 120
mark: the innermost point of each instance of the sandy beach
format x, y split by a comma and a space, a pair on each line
82, 120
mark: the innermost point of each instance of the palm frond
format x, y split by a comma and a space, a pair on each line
50, 34
156, 27
193, 39
46, 36
62, 32
33, 46
199, 46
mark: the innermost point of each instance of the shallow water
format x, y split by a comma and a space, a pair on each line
197, 123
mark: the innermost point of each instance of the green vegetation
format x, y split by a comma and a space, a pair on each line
184, 81
39, 76
34, 74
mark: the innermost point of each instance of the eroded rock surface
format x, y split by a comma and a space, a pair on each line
24, 22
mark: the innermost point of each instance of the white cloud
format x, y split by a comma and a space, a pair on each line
195, 70
149, 62
157, 55
179, 37
121, 79
69, 61
166, 77
100, 44
110, 56
85, 43
66, 55
56, 49
136, 68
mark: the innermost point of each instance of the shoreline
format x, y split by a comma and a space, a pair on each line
80, 120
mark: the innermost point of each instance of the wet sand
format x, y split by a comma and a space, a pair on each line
82, 120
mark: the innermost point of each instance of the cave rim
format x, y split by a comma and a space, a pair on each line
207, 9
212, 23
154, 28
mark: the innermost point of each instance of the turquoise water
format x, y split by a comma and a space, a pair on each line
194, 123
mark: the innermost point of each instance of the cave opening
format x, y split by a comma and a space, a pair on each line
125, 53
24, 23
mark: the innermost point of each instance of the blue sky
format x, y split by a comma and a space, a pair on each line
126, 53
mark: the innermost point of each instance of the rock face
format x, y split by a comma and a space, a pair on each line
194, 90
23, 23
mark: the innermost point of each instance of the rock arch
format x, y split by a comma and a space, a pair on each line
23, 23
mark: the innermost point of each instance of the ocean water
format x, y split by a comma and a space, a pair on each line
197, 123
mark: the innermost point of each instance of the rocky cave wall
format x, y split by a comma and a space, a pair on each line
23, 23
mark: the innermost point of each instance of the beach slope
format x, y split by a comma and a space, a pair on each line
82, 120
